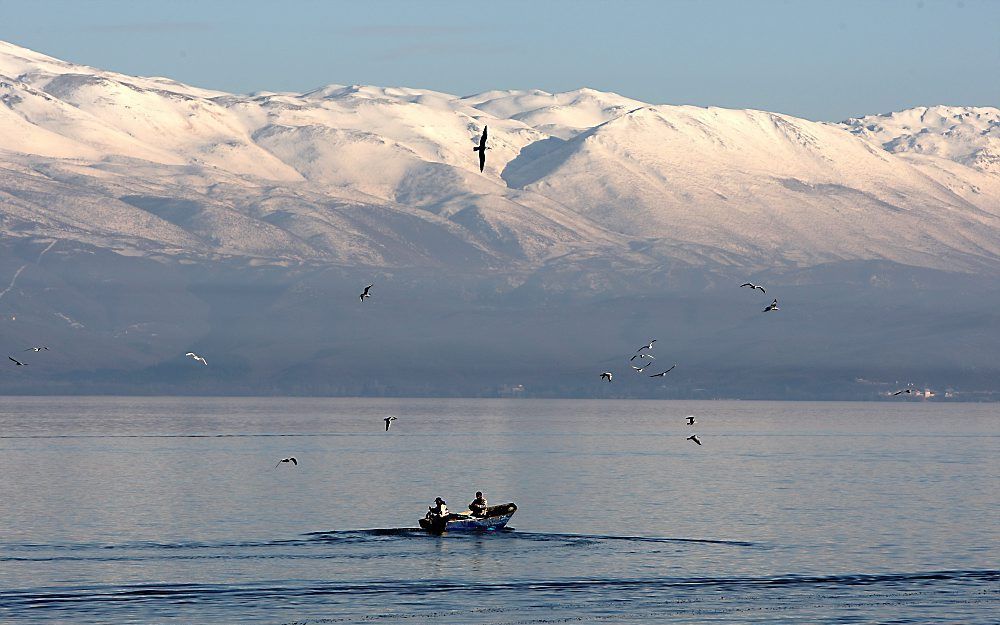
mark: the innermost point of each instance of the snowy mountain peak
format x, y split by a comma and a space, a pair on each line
39, 69
563, 115
387, 176
964, 134
15, 60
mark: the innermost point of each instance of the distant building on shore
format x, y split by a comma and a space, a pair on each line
511, 390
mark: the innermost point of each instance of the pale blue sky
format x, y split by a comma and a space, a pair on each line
821, 60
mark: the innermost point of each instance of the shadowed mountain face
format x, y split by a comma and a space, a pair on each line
141, 218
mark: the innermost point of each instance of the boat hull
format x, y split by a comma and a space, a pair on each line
496, 518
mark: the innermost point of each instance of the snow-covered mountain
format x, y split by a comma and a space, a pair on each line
964, 134
386, 176
141, 217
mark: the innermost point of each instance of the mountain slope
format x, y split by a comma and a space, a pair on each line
768, 187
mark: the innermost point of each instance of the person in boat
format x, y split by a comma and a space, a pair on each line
479, 505
439, 509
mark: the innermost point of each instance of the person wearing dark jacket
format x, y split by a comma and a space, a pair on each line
479, 505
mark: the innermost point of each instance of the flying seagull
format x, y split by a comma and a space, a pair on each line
691, 420
660, 375
366, 293
481, 148
772, 306
642, 355
606, 376
650, 346
905, 390
36, 349
195, 356
388, 421
694, 437
640, 369
753, 286
18, 362
292, 460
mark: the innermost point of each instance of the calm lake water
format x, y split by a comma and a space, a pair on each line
147, 510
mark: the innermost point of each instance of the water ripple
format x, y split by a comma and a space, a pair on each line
33, 598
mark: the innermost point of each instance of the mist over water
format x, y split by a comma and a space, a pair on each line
852, 331
171, 511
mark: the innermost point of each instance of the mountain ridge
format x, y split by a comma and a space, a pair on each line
634, 171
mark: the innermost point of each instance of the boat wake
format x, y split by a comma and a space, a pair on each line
149, 550
509, 533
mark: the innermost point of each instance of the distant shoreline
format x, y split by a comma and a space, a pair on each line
992, 398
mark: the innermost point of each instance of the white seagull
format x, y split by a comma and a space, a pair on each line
691, 420
292, 460
772, 306
642, 368
606, 376
195, 356
366, 293
753, 286
388, 421
660, 375
642, 355
694, 437
36, 349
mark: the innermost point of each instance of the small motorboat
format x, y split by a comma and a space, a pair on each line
496, 518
